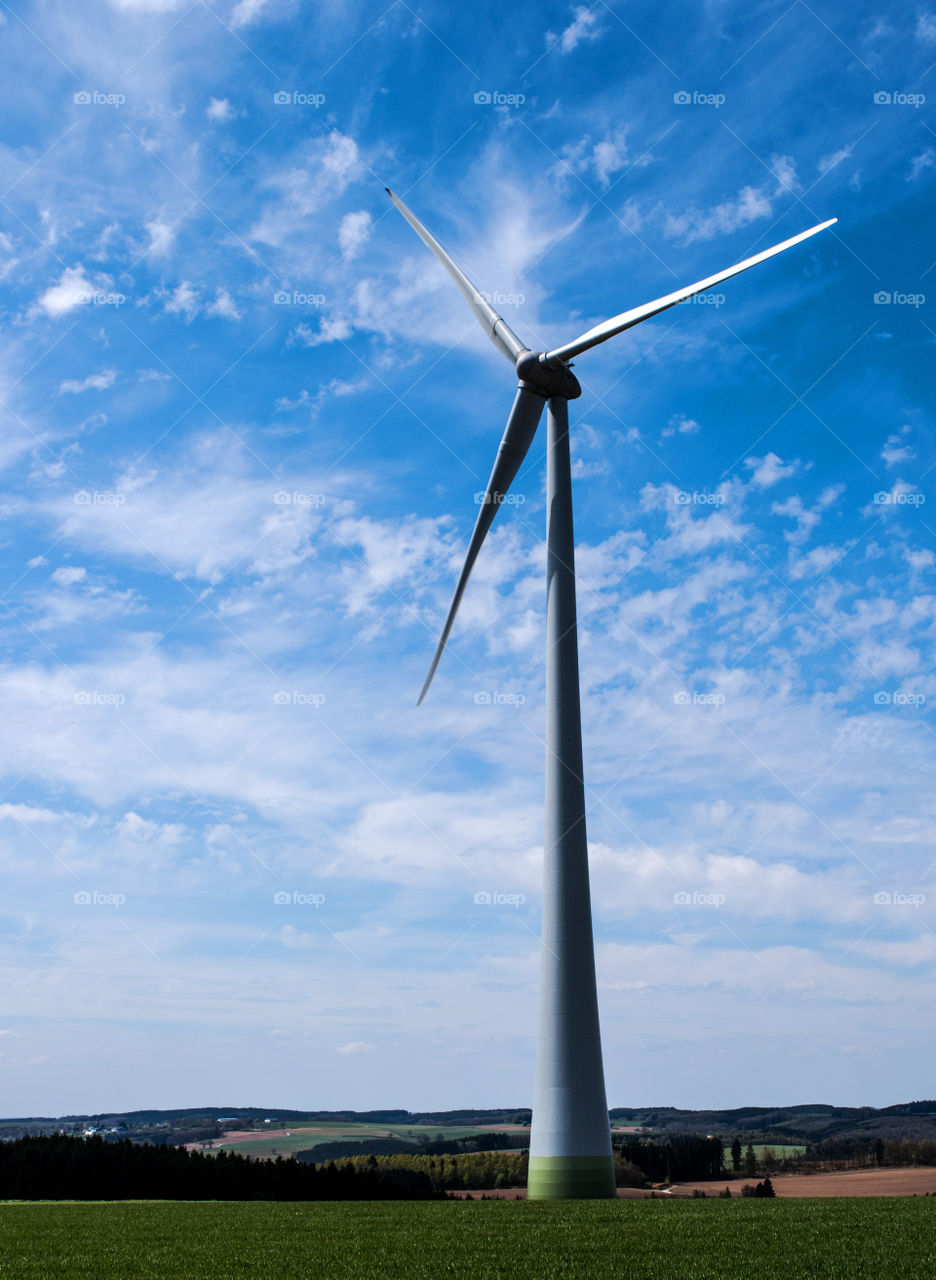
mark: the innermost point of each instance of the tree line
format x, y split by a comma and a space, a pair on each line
866, 1152
61, 1167
681, 1158
637, 1163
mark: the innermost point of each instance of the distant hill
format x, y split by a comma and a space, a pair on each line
805, 1122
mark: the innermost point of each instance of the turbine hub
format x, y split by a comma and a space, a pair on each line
546, 380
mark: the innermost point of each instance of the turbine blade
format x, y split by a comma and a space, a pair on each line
496, 328
627, 319
518, 436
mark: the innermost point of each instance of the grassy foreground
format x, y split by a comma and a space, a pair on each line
734, 1239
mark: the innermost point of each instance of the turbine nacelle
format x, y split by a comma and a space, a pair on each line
545, 378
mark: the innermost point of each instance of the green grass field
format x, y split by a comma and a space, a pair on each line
854, 1239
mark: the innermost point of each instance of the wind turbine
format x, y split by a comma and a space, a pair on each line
570, 1140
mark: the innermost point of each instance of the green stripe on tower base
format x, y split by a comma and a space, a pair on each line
571, 1178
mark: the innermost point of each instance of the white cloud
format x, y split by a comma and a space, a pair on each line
219, 110
699, 224
919, 163
94, 382
918, 560
67, 574
833, 159
807, 518
148, 6
354, 232
73, 289
926, 28
603, 158
223, 306
331, 329
184, 301
584, 26
768, 470
355, 1046
894, 451
783, 169
247, 11
317, 175
162, 237
679, 422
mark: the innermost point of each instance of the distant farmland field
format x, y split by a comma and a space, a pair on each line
288, 1139
480, 1240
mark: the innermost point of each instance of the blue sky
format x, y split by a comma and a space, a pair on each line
246, 415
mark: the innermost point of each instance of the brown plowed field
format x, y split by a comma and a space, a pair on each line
854, 1182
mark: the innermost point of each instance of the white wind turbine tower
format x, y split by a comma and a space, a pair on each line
570, 1141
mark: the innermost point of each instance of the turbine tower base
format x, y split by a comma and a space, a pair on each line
571, 1178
